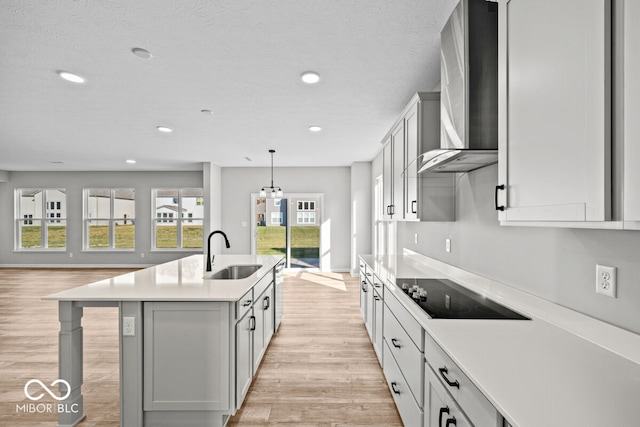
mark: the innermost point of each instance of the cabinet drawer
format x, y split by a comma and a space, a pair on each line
263, 284
377, 284
479, 410
408, 322
440, 408
409, 410
406, 354
244, 304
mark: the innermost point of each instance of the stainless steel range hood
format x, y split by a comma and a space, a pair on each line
469, 90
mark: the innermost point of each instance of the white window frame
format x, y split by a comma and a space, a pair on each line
111, 221
306, 205
278, 218
21, 219
306, 217
178, 220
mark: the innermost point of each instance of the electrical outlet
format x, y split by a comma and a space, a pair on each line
70, 254
142, 255
447, 245
128, 326
606, 280
415, 238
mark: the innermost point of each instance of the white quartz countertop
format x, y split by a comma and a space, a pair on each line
179, 280
542, 372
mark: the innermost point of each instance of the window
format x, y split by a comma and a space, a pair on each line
276, 218
306, 206
306, 217
40, 218
178, 218
276, 202
109, 218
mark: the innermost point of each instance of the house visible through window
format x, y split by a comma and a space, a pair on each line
306, 217
276, 218
109, 218
40, 221
306, 206
179, 218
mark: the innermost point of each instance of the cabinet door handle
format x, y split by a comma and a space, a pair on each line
444, 410
247, 303
252, 320
450, 421
495, 197
388, 209
377, 298
393, 209
414, 206
394, 387
395, 343
266, 303
443, 372
364, 288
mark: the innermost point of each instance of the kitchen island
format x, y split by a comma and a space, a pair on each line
189, 345
561, 368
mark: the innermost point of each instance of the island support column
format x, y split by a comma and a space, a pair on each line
131, 368
70, 362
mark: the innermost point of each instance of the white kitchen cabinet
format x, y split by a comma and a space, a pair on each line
263, 328
244, 356
407, 195
428, 196
440, 409
554, 111
387, 178
378, 316
186, 356
631, 112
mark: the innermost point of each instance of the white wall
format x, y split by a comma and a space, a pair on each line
360, 212
555, 264
74, 183
333, 182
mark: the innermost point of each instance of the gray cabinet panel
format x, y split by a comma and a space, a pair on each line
186, 356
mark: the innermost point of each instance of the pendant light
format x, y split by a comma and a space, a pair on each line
276, 192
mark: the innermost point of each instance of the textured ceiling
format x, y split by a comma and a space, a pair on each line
242, 59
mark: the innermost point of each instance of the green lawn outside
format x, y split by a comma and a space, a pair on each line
305, 241
166, 236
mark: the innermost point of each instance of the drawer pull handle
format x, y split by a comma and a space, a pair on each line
394, 387
444, 410
495, 199
247, 303
266, 303
395, 343
414, 204
443, 372
377, 298
450, 421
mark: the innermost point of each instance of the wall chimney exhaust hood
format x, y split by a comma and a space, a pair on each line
469, 90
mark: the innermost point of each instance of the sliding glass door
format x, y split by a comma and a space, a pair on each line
290, 227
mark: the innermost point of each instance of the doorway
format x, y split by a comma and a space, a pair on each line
290, 227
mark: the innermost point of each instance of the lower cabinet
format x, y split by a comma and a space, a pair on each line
441, 409
185, 367
199, 358
378, 314
244, 355
409, 409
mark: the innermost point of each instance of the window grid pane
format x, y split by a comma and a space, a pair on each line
179, 218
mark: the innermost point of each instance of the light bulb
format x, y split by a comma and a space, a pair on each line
263, 193
273, 194
279, 193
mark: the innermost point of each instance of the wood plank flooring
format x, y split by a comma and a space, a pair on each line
320, 370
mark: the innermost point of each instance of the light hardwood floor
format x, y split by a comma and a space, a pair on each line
320, 369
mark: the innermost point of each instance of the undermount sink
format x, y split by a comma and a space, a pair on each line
234, 272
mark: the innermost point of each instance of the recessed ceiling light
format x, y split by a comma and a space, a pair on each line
131, 161
248, 159
56, 162
164, 129
141, 53
70, 77
206, 111
315, 128
310, 77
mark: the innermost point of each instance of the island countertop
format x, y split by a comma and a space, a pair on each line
179, 280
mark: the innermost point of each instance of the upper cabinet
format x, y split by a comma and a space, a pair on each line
406, 194
629, 18
555, 111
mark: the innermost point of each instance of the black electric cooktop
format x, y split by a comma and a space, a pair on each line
445, 299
